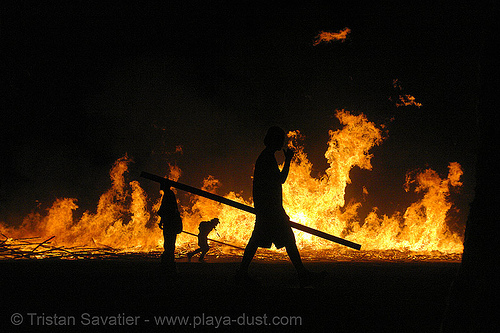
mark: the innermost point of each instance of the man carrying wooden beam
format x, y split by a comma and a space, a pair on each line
272, 224
171, 224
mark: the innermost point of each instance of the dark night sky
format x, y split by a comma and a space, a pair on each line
83, 83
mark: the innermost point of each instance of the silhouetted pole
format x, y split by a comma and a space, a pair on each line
213, 240
246, 208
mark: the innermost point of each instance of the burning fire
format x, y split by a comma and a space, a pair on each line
403, 99
327, 37
119, 222
407, 100
123, 220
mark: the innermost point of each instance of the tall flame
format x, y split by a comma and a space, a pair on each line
317, 202
123, 220
119, 221
423, 225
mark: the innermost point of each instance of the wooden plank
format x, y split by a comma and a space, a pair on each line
216, 241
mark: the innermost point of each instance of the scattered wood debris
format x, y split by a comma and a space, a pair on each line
38, 248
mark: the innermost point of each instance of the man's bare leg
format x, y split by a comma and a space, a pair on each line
294, 255
248, 255
306, 278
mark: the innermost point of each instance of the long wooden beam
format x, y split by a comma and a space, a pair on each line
246, 208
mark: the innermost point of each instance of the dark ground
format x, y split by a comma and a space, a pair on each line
356, 297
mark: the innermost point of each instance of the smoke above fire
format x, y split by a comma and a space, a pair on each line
125, 217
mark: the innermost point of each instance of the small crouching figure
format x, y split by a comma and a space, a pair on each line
204, 228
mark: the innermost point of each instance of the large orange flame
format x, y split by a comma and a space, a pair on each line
123, 221
120, 219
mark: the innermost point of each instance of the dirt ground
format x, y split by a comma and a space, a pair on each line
134, 295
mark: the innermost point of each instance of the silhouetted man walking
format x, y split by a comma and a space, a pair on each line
272, 224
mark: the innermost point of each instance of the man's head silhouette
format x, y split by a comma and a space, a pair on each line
275, 138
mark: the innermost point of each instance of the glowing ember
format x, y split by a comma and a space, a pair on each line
405, 99
328, 37
122, 221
